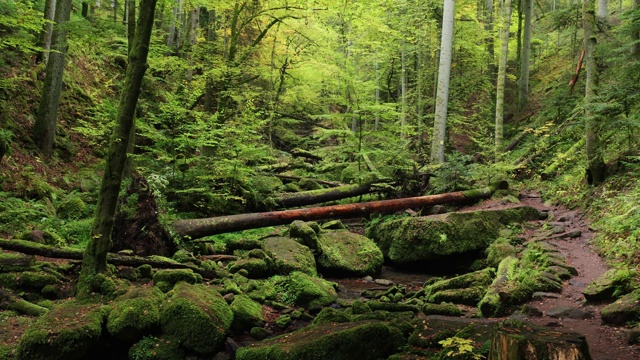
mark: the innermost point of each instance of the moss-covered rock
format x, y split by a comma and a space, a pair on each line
135, 314
498, 250
167, 278
338, 341
447, 309
333, 225
345, 254
392, 307
305, 232
247, 314
156, 348
28, 280
69, 331
289, 256
254, 268
196, 316
283, 321
71, 208
492, 304
331, 315
610, 285
301, 289
480, 278
623, 310
417, 239
234, 244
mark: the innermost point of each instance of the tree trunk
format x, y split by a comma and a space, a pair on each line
488, 27
44, 129
444, 71
635, 33
197, 228
523, 83
95, 256
595, 165
303, 198
529, 342
502, 75
47, 30
131, 22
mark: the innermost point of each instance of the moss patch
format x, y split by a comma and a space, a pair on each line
360, 340
135, 313
246, 314
345, 254
68, 331
301, 289
289, 256
415, 239
156, 348
197, 316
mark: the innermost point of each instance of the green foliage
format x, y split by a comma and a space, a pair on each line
458, 348
20, 21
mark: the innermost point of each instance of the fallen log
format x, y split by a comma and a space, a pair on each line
298, 178
198, 228
288, 200
31, 248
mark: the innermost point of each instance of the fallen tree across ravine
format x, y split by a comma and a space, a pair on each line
199, 228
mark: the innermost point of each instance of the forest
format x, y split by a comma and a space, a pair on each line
319, 179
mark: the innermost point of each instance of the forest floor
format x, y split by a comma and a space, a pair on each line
605, 342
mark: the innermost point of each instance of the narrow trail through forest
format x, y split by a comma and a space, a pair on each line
567, 310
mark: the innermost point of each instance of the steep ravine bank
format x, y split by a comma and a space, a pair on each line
294, 299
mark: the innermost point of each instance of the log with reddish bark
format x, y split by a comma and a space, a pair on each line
318, 196
198, 228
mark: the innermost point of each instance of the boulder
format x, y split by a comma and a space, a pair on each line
156, 348
69, 331
344, 254
610, 285
418, 239
135, 314
623, 310
246, 314
167, 278
196, 316
289, 256
352, 340
301, 289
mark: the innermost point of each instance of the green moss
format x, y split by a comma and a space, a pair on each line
447, 309
305, 232
72, 208
255, 268
283, 321
197, 316
346, 254
339, 341
492, 304
156, 348
135, 313
360, 307
393, 307
303, 290
246, 314
414, 239
167, 278
146, 271
498, 250
15, 262
331, 315
289, 256
624, 310
480, 278
612, 284
242, 244
68, 331
309, 184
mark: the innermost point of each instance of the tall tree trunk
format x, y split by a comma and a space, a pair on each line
403, 90
45, 36
595, 164
94, 260
502, 75
444, 71
131, 22
488, 27
635, 32
523, 82
44, 129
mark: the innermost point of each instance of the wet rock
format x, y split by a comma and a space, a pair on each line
384, 282
260, 333
540, 295
531, 310
247, 314
229, 297
633, 336
289, 256
569, 312
135, 313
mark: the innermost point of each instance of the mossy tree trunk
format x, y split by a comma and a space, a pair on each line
502, 75
44, 129
94, 260
45, 36
635, 32
596, 169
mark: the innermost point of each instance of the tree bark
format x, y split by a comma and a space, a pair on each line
576, 75
303, 198
525, 59
95, 256
635, 32
444, 72
44, 129
131, 22
502, 75
198, 228
595, 164
47, 30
